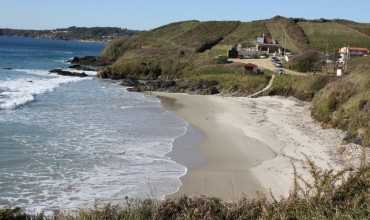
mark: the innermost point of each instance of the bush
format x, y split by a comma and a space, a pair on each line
308, 61
301, 87
222, 60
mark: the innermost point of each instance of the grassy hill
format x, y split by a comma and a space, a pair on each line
333, 35
181, 57
205, 40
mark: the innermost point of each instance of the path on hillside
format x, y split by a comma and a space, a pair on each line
266, 64
264, 89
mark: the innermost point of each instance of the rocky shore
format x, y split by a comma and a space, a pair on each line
68, 73
201, 87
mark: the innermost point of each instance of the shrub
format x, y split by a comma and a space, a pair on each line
301, 87
308, 61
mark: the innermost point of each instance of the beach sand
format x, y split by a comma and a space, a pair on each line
249, 145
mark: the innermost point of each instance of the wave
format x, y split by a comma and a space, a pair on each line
36, 72
89, 73
14, 93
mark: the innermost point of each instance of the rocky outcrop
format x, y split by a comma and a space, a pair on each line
89, 61
68, 73
82, 67
203, 87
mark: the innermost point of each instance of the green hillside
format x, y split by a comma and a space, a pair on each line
361, 27
288, 33
333, 35
181, 57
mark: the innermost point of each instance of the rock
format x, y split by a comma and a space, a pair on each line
352, 138
67, 73
129, 82
81, 67
89, 61
7, 68
205, 87
213, 90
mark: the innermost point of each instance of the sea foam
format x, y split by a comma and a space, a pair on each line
17, 92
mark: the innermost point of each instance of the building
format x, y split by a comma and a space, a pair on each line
233, 53
267, 44
354, 51
244, 53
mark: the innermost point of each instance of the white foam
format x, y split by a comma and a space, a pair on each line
14, 93
36, 72
89, 73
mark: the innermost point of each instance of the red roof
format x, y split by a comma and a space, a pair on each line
359, 49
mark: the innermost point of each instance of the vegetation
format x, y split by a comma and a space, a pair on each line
329, 36
328, 195
345, 103
288, 33
301, 87
72, 33
307, 61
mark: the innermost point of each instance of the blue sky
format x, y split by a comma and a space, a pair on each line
147, 14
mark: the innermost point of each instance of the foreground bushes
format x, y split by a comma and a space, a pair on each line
329, 195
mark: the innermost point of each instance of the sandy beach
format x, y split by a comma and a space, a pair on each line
249, 145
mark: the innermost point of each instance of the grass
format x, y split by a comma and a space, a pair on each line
235, 84
246, 34
361, 27
301, 87
206, 35
289, 34
327, 195
332, 35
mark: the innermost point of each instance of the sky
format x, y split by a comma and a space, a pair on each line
148, 14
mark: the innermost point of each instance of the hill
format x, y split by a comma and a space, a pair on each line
72, 33
189, 57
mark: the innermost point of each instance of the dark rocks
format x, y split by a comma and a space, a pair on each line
352, 138
203, 87
68, 73
129, 82
89, 61
81, 67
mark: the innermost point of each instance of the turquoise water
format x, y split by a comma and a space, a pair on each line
69, 142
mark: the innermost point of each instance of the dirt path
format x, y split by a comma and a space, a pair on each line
264, 89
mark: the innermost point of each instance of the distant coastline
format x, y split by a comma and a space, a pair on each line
82, 34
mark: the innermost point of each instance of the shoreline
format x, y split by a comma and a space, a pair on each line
249, 145
219, 171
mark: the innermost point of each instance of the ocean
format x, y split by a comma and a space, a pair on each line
68, 143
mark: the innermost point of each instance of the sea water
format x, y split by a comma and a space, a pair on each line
68, 143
